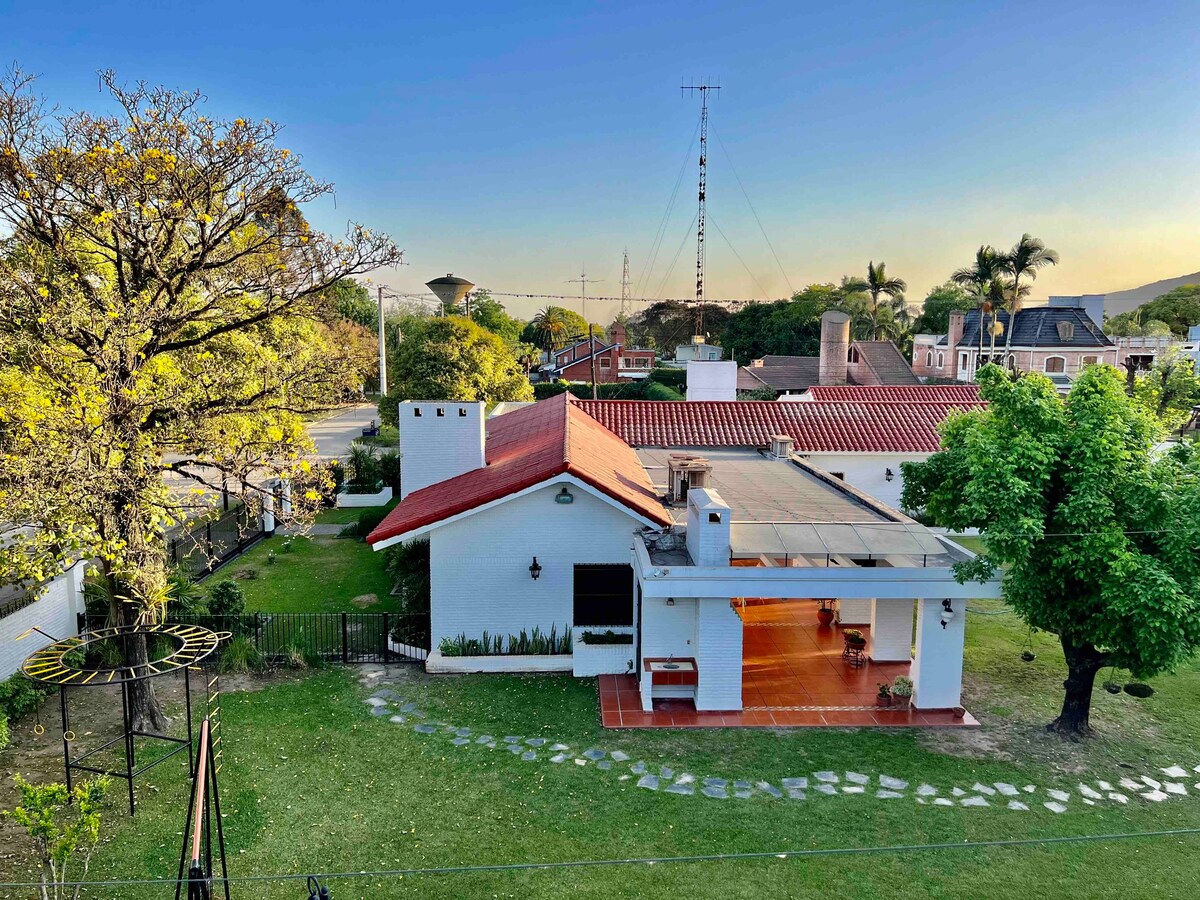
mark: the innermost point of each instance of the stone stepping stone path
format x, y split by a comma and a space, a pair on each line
385, 702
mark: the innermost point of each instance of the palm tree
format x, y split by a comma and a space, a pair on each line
1025, 258
980, 280
550, 328
878, 284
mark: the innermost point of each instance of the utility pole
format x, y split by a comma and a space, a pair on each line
703, 87
382, 345
625, 286
584, 281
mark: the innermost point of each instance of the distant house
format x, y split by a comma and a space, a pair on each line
1059, 340
841, 361
698, 351
614, 361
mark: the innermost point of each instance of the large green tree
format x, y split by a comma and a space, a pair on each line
1178, 308
554, 327
452, 358
490, 313
1170, 389
939, 303
160, 304
352, 301
1096, 535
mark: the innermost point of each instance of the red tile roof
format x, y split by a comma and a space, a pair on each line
524, 448
933, 393
871, 427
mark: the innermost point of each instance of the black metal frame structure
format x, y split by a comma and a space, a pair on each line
51, 665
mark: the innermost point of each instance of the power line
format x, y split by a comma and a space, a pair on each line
648, 860
738, 179
765, 292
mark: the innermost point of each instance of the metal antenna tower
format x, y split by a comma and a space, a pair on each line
703, 87
625, 286
583, 281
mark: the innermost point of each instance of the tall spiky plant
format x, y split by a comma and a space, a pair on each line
980, 281
1025, 258
879, 285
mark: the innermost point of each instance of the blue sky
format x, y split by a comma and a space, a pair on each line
513, 144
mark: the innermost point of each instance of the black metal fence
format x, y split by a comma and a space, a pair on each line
201, 547
348, 637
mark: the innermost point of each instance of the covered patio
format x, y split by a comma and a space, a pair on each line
793, 676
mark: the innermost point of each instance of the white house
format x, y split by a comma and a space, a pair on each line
54, 608
548, 517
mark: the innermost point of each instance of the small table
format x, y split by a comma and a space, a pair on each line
855, 654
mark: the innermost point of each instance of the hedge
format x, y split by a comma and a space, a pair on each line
643, 389
672, 378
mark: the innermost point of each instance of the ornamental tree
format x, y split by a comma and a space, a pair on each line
164, 310
1097, 537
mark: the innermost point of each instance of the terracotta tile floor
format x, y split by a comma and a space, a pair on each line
793, 675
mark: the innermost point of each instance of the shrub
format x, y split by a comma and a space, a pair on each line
527, 643
369, 519
656, 391
902, 686
240, 657
186, 595
672, 378
20, 695
408, 565
605, 637
225, 598
3, 731
389, 469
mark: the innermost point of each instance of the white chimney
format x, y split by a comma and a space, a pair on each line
713, 379
835, 347
439, 440
708, 521
782, 446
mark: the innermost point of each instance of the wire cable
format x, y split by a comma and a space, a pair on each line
687, 234
656, 245
737, 178
766, 294
646, 860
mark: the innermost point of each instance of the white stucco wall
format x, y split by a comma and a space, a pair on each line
938, 662
479, 566
868, 471
891, 630
719, 656
435, 447
712, 380
54, 612
668, 630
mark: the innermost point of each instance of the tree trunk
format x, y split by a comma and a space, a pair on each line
145, 711
1083, 662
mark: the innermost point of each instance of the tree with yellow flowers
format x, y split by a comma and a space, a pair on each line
164, 327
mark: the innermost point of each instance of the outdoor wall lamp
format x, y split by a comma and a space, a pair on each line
947, 612
564, 496
535, 570
888, 474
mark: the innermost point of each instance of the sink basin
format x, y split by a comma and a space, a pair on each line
665, 666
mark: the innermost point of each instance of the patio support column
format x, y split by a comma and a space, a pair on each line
854, 611
937, 666
718, 655
891, 630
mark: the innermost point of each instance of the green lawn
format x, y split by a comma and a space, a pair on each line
313, 781
346, 515
320, 574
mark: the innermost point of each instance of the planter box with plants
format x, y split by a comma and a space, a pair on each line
606, 651
369, 476
532, 651
348, 496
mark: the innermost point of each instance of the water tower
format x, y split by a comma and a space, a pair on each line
450, 289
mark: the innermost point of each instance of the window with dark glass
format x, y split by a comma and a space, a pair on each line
603, 595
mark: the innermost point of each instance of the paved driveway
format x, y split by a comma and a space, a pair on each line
332, 436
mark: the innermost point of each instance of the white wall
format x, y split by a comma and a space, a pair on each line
479, 566
891, 630
719, 658
435, 447
868, 471
938, 662
708, 541
712, 380
668, 630
54, 612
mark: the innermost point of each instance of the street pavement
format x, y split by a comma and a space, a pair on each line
332, 436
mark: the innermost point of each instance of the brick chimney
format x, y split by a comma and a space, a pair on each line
954, 337
835, 347
616, 334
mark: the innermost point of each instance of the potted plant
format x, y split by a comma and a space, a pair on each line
902, 691
854, 637
884, 698
825, 612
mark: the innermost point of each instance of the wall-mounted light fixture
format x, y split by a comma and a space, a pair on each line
947, 613
888, 474
670, 601
564, 496
535, 569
